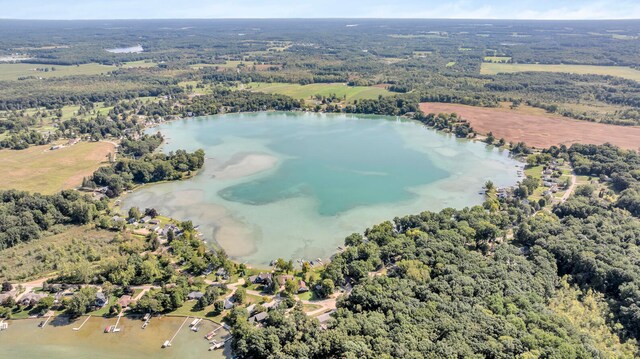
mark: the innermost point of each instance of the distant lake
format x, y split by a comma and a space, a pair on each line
293, 185
127, 50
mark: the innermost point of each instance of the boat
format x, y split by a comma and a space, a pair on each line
166, 344
210, 335
108, 329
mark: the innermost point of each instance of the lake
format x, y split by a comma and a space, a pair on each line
127, 50
58, 340
293, 185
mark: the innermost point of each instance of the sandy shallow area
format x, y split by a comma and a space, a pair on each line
243, 165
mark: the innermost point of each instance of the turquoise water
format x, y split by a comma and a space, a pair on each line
293, 185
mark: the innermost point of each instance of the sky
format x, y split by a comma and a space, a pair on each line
460, 9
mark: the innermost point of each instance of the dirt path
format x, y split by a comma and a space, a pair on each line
572, 187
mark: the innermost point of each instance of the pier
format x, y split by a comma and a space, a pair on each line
81, 325
44, 324
147, 319
167, 343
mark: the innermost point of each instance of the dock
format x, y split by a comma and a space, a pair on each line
81, 325
147, 319
212, 333
44, 324
194, 324
115, 327
3, 325
167, 343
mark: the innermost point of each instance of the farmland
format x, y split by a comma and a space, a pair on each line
493, 68
16, 71
537, 129
39, 169
307, 91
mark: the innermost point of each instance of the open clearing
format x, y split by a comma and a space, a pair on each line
14, 71
489, 68
39, 169
41, 257
307, 91
538, 129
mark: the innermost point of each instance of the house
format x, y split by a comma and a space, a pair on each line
125, 301
5, 296
101, 300
221, 272
154, 221
262, 278
228, 304
118, 219
258, 318
302, 286
195, 295
283, 279
31, 299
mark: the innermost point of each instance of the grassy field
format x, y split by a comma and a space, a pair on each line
38, 169
15, 71
488, 68
41, 258
307, 91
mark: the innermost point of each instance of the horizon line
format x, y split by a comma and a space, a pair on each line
318, 18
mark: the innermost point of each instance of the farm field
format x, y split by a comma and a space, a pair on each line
10, 72
537, 129
491, 68
39, 169
307, 91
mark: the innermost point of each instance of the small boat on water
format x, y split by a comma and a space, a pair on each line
166, 344
108, 329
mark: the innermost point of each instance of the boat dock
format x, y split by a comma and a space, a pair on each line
44, 324
81, 325
212, 333
147, 319
195, 323
167, 343
115, 327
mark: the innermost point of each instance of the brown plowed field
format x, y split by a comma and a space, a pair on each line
538, 129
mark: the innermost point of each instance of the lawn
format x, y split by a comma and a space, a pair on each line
39, 169
15, 71
619, 71
307, 91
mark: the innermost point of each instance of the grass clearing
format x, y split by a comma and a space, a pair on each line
43, 257
38, 169
307, 91
9, 72
451, 63
488, 68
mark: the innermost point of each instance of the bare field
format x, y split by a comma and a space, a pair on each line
39, 169
493, 68
536, 129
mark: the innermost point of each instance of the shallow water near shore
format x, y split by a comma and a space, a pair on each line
57, 340
293, 185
